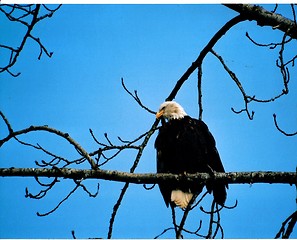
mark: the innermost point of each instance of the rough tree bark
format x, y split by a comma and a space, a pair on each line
266, 18
152, 178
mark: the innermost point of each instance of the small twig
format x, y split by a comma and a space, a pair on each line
148, 188
270, 45
42, 48
136, 98
275, 7
199, 201
164, 231
123, 141
282, 131
106, 137
45, 184
93, 195
196, 231
232, 207
233, 76
60, 203
41, 193
7, 123
290, 221
73, 234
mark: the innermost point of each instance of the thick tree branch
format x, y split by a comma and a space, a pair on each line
150, 178
266, 18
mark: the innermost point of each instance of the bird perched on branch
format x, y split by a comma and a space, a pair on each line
184, 144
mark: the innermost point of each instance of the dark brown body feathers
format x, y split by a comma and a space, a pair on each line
186, 145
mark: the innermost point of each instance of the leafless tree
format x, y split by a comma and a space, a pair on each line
90, 165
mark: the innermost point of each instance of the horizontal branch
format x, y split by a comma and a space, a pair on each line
151, 178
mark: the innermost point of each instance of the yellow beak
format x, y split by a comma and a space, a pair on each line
159, 114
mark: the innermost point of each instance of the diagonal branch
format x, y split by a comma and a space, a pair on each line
136, 98
198, 62
266, 18
247, 99
290, 222
132, 169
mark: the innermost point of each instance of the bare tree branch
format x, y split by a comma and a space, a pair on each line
54, 131
26, 12
247, 99
164, 231
290, 222
198, 62
136, 98
150, 178
60, 203
266, 18
132, 169
282, 131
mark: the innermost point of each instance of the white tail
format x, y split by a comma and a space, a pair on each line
181, 199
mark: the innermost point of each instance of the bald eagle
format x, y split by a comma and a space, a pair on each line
184, 144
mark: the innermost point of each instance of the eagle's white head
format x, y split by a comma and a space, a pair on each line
171, 110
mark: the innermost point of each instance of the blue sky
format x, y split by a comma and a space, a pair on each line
150, 46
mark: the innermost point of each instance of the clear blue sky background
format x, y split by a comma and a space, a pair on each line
150, 46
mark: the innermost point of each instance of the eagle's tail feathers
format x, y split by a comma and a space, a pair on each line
180, 198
